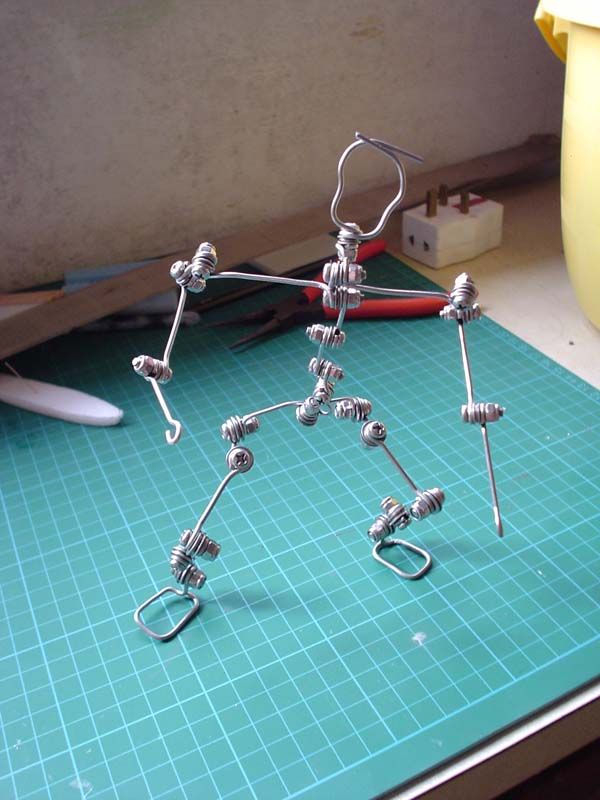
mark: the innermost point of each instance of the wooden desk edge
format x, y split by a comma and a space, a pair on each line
514, 756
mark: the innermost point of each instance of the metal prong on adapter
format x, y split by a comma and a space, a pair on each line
432, 202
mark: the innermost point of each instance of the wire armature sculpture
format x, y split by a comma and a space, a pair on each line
343, 288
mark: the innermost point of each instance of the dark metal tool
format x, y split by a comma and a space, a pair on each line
307, 307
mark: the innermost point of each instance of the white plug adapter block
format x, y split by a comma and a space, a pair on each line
451, 236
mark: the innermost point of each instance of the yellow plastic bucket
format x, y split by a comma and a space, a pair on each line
572, 29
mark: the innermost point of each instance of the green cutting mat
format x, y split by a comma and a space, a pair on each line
311, 670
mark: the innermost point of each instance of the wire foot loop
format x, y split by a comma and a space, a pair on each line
410, 576
179, 626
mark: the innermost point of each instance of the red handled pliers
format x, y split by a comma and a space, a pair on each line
307, 307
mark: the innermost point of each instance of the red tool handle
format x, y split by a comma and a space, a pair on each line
366, 251
391, 307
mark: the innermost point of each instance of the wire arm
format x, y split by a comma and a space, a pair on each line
481, 413
173, 436
246, 276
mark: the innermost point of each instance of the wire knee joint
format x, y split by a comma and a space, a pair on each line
184, 570
395, 516
236, 428
308, 413
428, 501
373, 433
199, 545
152, 368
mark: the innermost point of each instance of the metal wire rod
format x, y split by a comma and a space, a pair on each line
399, 467
174, 326
402, 292
465, 360
213, 500
276, 407
245, 276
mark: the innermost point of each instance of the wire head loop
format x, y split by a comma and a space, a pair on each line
350, 229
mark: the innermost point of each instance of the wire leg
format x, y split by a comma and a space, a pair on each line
192, 544
395, 515
399, 467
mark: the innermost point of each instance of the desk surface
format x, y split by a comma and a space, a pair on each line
311, 670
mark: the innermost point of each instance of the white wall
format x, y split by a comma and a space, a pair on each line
131, 128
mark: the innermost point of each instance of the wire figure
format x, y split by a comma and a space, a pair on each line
342, 288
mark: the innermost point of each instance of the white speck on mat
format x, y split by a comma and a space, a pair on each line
81, 785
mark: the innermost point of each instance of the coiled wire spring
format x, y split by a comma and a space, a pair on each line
466, 314
428, 501
395, 516
199, 545
327, 335
183, 568
480, 413
355, 408
152, 368
236, 428
464, 291
191, 275
325, 369
324, 390
342, 273
338, 297
308, 413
